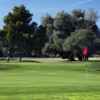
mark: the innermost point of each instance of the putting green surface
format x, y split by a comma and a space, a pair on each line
49, 79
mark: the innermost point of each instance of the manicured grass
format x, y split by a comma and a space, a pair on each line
49, 79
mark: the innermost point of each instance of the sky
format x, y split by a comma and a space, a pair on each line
41, 7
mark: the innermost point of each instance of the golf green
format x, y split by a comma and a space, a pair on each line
49, 79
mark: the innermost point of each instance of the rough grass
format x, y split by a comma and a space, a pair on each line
49, 79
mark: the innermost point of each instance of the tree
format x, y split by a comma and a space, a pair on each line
5, 43
64, 31
47, 19
92, 15
78, 13
47, 22
39, 40
79, 40
57, 31
19, 28
1, 49
29, 40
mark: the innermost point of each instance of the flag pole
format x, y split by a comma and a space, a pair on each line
86, 67
85, 58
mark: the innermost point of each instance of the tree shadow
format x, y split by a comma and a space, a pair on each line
30, 61
95, 69
2, 59
5, 69
98, 70
93, 60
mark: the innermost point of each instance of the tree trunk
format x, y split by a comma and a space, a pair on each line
79, 56
85, 58
72, 59
69, 58
7, 56
26, 54
68, 55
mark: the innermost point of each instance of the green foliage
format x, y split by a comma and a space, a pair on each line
80, 39
39, 39
58, 29
62, 35
68, 33
46, 20
50, 48
17, 24
58, 43
63, 24
19, 28
78, 13
92, 15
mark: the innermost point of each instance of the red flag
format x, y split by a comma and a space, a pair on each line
85, 51
43, 52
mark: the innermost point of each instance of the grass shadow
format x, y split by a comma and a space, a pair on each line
93, 60
5, 69
2, 59
98, 70
30, 61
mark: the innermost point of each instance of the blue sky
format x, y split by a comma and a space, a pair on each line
40, 7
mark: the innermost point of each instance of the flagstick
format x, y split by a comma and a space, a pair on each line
86, 68
85, 53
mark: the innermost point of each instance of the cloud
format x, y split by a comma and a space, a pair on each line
80, 2
45, 10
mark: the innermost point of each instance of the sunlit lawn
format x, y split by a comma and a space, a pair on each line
49, 79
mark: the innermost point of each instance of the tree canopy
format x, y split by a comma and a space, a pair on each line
65, 34
19, 28
71, 32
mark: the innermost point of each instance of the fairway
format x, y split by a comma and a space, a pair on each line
49, 79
